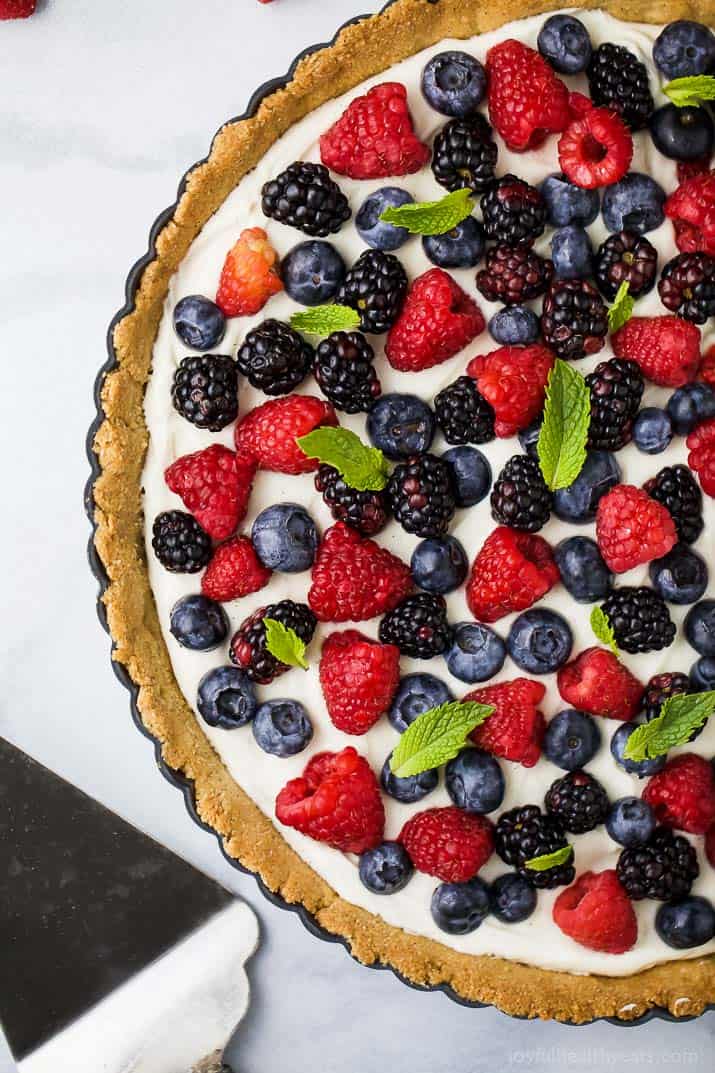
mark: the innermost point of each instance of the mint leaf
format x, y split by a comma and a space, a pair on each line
679, 717
323, 320
603, 629
684, 92
431, 217
622, 308
436, 736
363, 468
549, 860
562, 439
285, 644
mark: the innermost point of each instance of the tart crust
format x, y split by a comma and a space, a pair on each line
360, 51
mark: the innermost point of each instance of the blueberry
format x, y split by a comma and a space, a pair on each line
563, 40
476, 654
686, 923
583, 571
416, 693
385, 869
702, 675
472, 474
684, 48
571, 252
462, 247
439, 564
512, 898
641, 768
282, 727
285, 538
529, 437
540, 641
572, 739
312, 272
410, 789
631, 821
199, 322
515, 326
374, 231
567, 203
198, 623
579, 501
454, 83
634, 203
652, 430
459, 908
226, 698
401, 425
475, 781
699, 627
689, 405
681, 576
682, 133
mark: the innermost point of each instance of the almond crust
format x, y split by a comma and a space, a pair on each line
360, 51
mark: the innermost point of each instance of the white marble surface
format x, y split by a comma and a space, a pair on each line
103, 105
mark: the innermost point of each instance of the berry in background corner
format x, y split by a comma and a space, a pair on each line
684, 134
682, 795
684, 48
687, 286
17, 9
701, 457
692, 209
689, 405
687, 923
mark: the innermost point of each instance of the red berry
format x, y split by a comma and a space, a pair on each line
269, 432
579, 104
513, 381
692, 209
510, 573
526, 99
448, 843
598, 683
215, 485
688, 169
596, 149
358, 677
701, 445
596, 912
249, 276
632, 528
437, 321
354, 578
337, 800
16, 9
682, 795
707, 369
666, 348
515, 729
234, 571
374, 137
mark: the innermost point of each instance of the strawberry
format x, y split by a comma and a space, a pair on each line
666, 348
692, 209
682, 795
448, 843
701, 445
513, 381
269, 432
511, 572
234, 571
526, 99
632, 528
358, 677
249, 276
596, 149
215, 485
597, 682
437, 320
596, 912
354, 578
515, 729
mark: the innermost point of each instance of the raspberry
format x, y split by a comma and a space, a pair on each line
513, 381
249, 650
354, 578
682, 795
574, 321
688, 169
337, 800
526, 99
618, 80
692, 209
249, 276
596, 912
274, 358
304, 196
269, 432
448, 843
515, 729
707, 369
632, 528
510, 573
437, 320
367, 511
234, 571
687, 286
374, 137
418, 626
358, 677
596, 149
701, 445
514, 274
598, 683
666, 348
215, 485
17, 9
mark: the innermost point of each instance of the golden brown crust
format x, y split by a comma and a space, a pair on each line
683, 987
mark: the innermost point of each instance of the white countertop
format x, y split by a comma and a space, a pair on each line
103, 106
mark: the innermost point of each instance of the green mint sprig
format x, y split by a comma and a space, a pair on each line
436, 736
679, 717
323, 320
603, 630
431, 217
690, 91
549, 860
622, 309
285, 644
363, 468
561, 446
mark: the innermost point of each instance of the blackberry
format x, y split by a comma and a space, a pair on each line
248, 648
418, 626
619, 81
304, 196
205, 390
179, 542
679, 492
368, 512
659, 688
464, 154
578, 801
274, 358
574, 321
616, 388
463, 415
421, 495
526, 832
520, 497
514, 274
375, 286
687, 286
513, 211
626, 257
345, 372
664, 868
639, 618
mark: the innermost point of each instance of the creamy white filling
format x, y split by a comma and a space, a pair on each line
536, 941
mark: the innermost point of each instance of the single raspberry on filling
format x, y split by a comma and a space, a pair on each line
510, 573
632, 528
448, 843
596, 912
596, 149
597, 682
515, 729
682, 795
249, 276
701, 445
692, 209
353, 578
438, 319
527, 101
358, 677
234, 571
215, 486
269, 432
513, 381
666, 348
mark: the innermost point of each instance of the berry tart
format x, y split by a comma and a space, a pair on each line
406, 499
